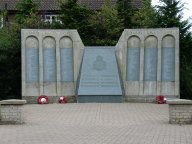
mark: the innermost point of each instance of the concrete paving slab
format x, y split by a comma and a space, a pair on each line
96, 123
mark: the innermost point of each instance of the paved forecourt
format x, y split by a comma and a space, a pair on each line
96, 123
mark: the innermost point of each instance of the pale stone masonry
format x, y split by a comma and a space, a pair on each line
12, 111
51, 62
180, 111
149, 63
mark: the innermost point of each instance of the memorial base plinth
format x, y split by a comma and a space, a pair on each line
11, 111
180, 111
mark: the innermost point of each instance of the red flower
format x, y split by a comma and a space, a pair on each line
43, 99
62, 99
160, 99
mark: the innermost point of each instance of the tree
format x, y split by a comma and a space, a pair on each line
106, 25
26, 9
126, 11
27, 15
169, 14
145, 17
75, 16
10, 63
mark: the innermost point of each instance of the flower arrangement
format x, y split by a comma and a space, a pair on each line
43, 99
160, 99
62, 100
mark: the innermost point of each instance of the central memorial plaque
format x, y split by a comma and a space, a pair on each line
99, 78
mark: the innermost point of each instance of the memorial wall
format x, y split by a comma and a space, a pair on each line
143, 65
51, 61
149, 63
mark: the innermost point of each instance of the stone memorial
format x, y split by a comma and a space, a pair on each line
99, 77
149, 63
144, 64
50, 63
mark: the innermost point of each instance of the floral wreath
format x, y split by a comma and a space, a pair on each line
160, 99
62, 100
43, 99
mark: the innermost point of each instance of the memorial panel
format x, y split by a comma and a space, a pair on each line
168, 64
49, 65
67, 64
32, 65
99, 73
150, 64
133, 64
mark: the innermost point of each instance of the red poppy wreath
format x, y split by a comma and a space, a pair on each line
62, 99
43, 99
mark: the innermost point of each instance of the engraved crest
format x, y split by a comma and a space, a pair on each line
99, 64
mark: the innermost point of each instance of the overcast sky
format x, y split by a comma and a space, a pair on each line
187, 11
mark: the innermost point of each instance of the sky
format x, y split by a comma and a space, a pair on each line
187, 12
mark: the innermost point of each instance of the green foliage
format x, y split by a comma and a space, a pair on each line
126, 12
186, 66
106, 26
186, 80
26, 9
75, 16
95, 27
27, 15
3, 14
10, 64
169, 14
145, 17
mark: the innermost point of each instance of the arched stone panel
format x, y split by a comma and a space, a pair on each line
168, 59
49, 59
150, 59
66, 51
32, 42
133, 59
32, 59
66, 42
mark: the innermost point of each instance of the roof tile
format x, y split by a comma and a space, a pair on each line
46, 5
